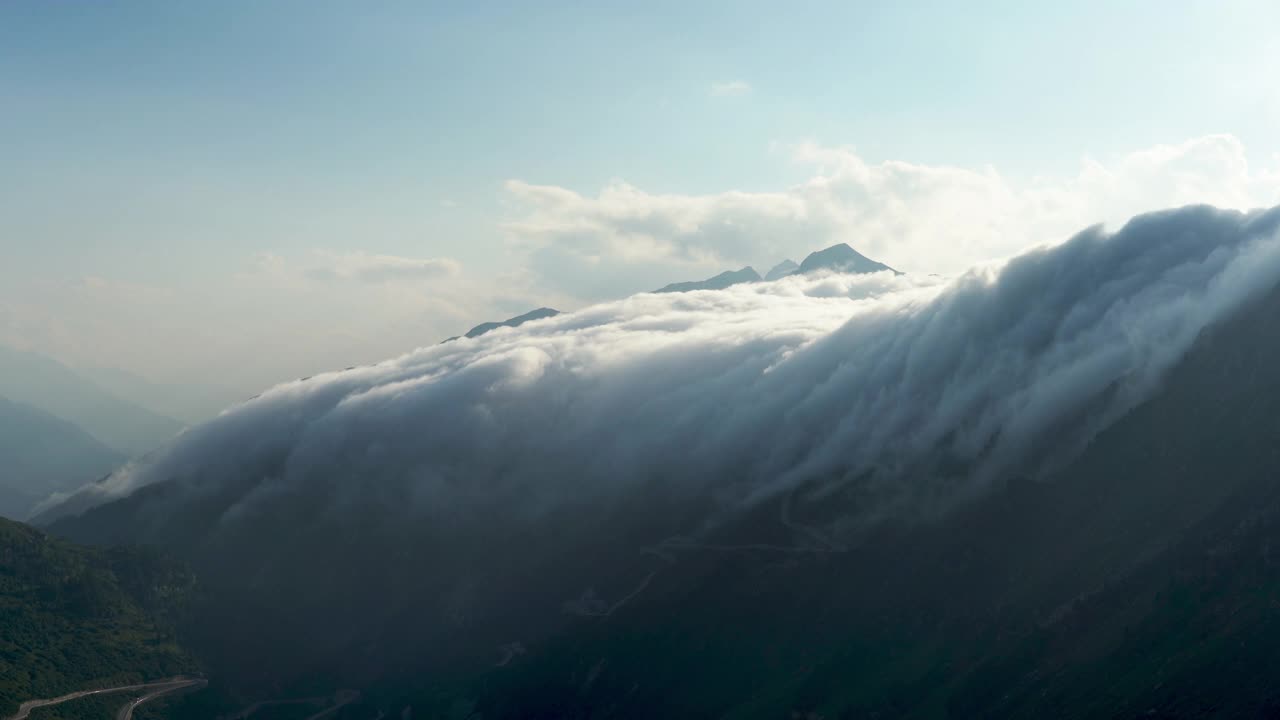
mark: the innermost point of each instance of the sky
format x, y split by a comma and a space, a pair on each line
242, 193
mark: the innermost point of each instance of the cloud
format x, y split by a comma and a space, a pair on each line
365, 267
570, 461
915, 217
895, 388
732, 88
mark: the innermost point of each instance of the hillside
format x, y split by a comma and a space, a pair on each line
72, 618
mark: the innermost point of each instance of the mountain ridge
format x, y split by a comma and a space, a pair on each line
721, 281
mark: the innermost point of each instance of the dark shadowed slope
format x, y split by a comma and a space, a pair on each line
41, 454
51, 386
719, 282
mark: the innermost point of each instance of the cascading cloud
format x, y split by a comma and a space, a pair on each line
737, 396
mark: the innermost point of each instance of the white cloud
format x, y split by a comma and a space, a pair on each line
732, 88
915, 217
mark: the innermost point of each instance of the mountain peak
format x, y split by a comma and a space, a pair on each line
782, 269
842, 258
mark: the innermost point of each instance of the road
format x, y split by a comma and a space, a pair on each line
173, 683
126, 712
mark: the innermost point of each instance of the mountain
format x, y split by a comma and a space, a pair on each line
719, 282
1142, 575
1118, 560
841, 258
73, 617
189, 403
540, 313
482, 328
781, 270
46, 384
41, 454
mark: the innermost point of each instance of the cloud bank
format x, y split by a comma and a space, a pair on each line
892, 388
915, 217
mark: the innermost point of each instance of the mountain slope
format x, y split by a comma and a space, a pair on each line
719, 282
73, 618
54, 388
41, 454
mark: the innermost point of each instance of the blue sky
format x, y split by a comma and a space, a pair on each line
169, 152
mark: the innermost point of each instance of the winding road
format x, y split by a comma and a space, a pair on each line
126, 712
159, 687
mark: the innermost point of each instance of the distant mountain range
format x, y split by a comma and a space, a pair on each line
41, 454
187, 402
47, 384
837, 258
719, 282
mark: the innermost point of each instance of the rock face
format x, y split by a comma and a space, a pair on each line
842, 258
719, 282
781, 270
